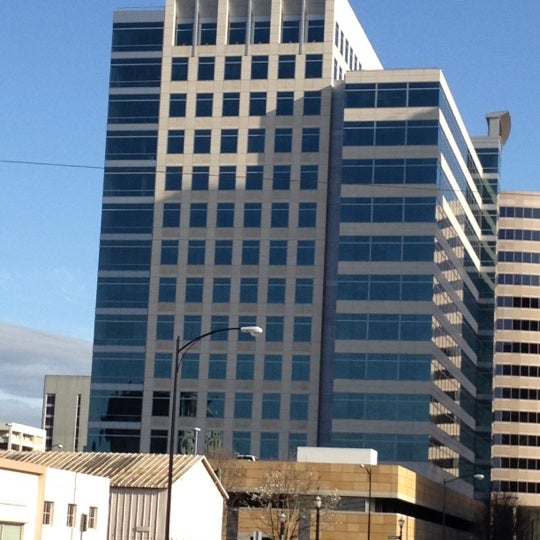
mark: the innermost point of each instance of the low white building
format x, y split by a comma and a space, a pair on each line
138, 492
40, 502
15, 436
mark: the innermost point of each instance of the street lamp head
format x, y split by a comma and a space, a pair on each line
401, 523
318, 502
282, 517
478, 477
253, 331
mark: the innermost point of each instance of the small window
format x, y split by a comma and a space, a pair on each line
290, 31
259, 67
286, 66
315, 30
177, 105
208, 33
203, 104
283, 140
200, 177
229, 141
184, 33
48, 512
92, 517
206, 68
261, 31
175, 141
255, 141
179, 69
312, 103
231, 104
71, 515
314, 64
202, 140
310, 139
233, 68
285, 104
257, 103
237, 32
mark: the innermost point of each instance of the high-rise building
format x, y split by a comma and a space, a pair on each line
516, 387
262, 168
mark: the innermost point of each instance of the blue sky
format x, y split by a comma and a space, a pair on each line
53, 91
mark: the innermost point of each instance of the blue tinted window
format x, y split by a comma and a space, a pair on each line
269, 445
392, 95
302, 329
250, 252
310, 139
307, 214
192, 326
290, 31
190, 366
243, 402
286, 66
175, 141
282, 177
196, 251
272, 367
225, 215
177, 105
147, 36
194, 289
314, 65
215, 405
221, 292
252, 214
276, 291
133, 108
237, 32
134, 182
312, 103
242, 442
271, 404
197, 215
179, 69
202, 141
315, 30
208, 33
217, 366
245, 367
223, 252
308, 176
203, 104
131, 145
219, 322
305, 253
257, 103
233, 68
274, 329
173, 178
261, 31
229, 141
120, 329
280, 215
255, 140
206, 68
184, 33
162, 365
135, 72
300, 367
259, 67
169, 252
299, 406
360, 95
165, 327
231, 104
167, 289
304, 291
123, 292
248, 290
278, 252
171, 215
254, 175
390, 133
227, 177
124, 218
283, 140
285, 103
124, 255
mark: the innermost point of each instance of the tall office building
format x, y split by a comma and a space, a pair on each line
516, 435
262, 168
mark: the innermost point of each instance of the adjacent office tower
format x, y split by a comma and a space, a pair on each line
262, 168
516, 436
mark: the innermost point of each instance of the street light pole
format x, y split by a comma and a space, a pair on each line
368, 470
180, 352
318, 503
401, 522
282, 520
447, 481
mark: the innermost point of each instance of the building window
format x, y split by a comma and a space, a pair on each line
271, 403
184, 33
243, 402
199, 178
245, 367
169, 252
175, 141
248, 290
162, 365
233, 68
300, 367
282, 177
278, 252
206, 68
194, 289
197, 215
188, 404
290, 30
237, 32
160, 404
171, 215
196, 251
283, 140
286, 66
272, 367
207, 34
173, 178
304, 291
158, 441
274, 329
202, 140
179, 70
255, 141
280, 215
92, 517
223, 252
203, 104
276, 291
299, 406
48, 512
177, 105
307, 215
312, 103
167, 289
217, 366
310, 139
229, 141
257, 103
165, 327
225, 215
231, 104
259, 67
305, 253
254, 175
315, 30
314, 65
261, 31
252, 214
302, 329
227, 178
250, 252
285, 104
221, 291
309, 175
71, 515
190, 367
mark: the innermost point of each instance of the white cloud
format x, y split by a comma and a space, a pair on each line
26, 356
